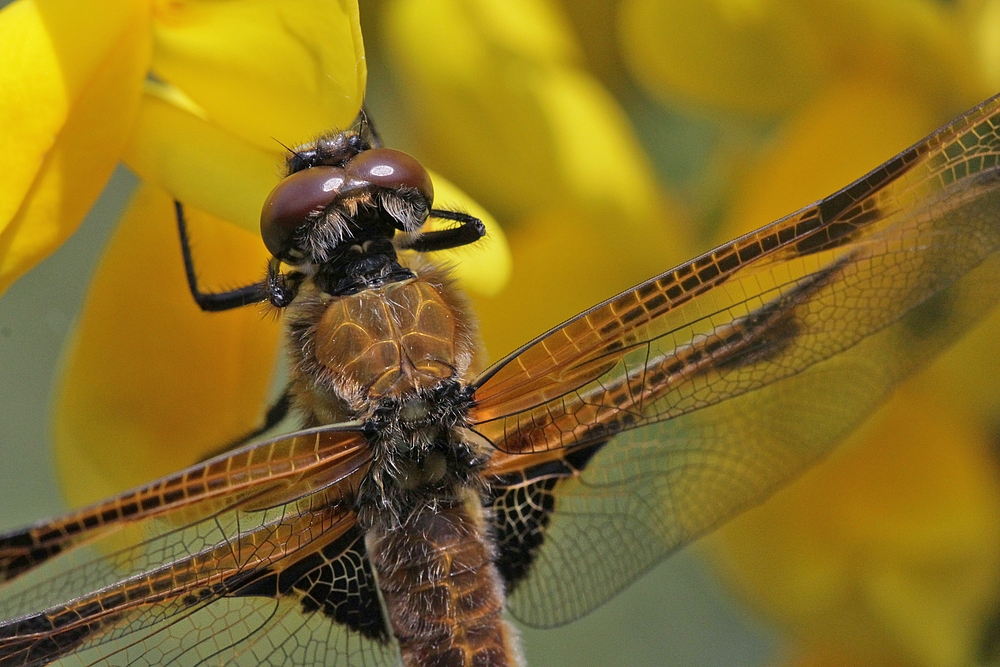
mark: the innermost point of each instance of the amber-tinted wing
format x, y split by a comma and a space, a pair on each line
250, 558
716, 382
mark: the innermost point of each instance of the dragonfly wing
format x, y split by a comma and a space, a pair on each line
325, 611
260, 474
587, 524
246, 584
645, 422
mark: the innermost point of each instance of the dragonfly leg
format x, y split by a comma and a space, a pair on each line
215, 301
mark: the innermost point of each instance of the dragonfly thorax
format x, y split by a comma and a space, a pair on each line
421, 452
424, 472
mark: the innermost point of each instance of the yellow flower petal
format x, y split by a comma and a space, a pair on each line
483, 267
48, 56
152, 383
597, 154
71, 82
982, 24
466, 87
756, 56
265, 69
202, 165
535, 130
922, 46
767, 56
530, 29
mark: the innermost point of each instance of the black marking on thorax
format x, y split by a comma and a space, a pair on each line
421, 454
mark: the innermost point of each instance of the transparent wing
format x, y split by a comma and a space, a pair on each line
716, 382
274, 573
259, 473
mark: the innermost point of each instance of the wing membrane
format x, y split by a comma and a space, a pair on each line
223, 616
641, 424
147, 598
261, 471
286, 536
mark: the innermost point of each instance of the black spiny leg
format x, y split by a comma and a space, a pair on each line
469, 230
215, 301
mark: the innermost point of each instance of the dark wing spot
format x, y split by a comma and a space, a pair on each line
336, 581
521, 515
768, 331
522, 507
755, 348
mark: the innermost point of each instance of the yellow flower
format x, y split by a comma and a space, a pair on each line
889, 554
199, 99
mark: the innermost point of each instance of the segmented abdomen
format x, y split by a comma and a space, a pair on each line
442, 591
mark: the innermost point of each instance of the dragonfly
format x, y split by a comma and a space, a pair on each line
427, 497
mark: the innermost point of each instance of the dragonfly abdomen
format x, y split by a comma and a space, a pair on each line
442, 591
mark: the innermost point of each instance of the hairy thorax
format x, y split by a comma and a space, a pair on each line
397, 340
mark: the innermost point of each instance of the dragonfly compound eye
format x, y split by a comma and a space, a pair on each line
392, 170
296, 202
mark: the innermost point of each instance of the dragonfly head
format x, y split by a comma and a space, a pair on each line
340, 193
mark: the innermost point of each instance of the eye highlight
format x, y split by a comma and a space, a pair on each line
294, 201
391, 169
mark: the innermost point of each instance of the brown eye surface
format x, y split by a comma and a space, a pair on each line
293, 200
388, 168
